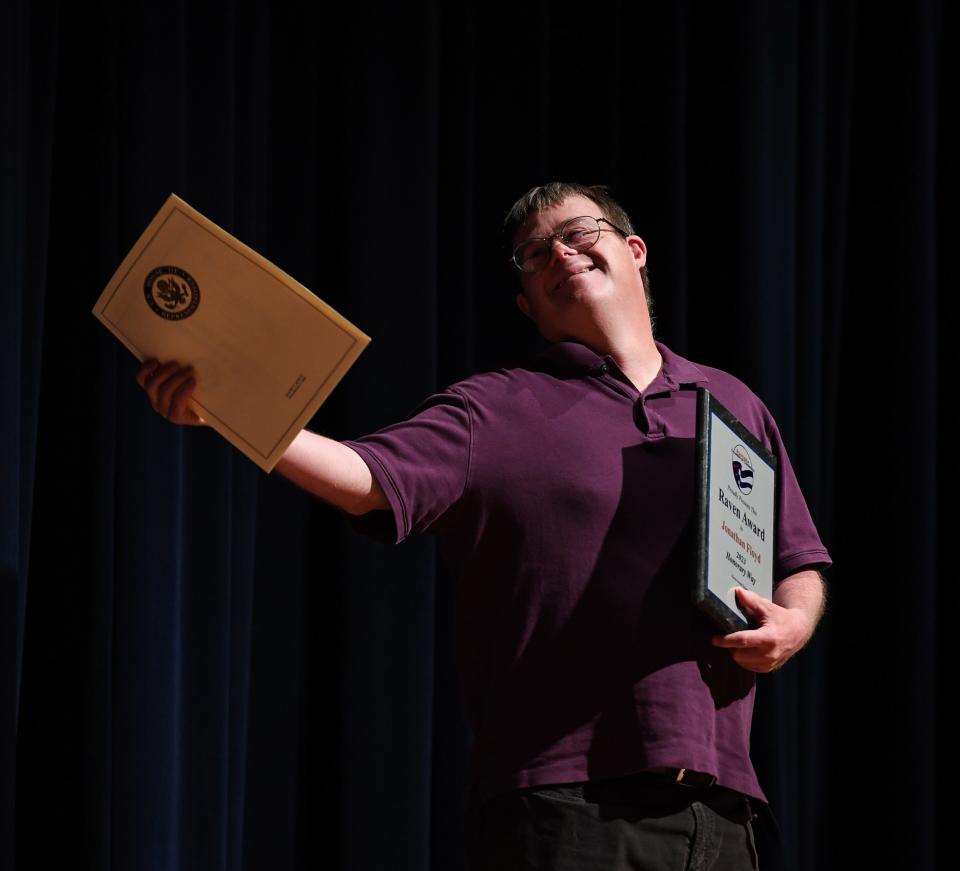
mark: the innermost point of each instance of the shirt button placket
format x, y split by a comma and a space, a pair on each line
640, 416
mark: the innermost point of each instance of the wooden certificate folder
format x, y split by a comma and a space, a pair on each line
266, 351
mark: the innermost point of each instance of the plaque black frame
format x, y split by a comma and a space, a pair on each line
705, 599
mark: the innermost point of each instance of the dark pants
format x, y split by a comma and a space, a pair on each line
616, 825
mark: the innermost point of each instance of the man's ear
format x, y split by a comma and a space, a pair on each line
523, 304
639, 250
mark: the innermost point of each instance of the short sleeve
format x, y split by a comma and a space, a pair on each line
422, 465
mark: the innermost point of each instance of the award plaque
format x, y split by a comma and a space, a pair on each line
736, 514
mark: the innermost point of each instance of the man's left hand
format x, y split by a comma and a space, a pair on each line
780, 631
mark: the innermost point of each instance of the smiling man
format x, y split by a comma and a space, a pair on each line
583, 278
611, 724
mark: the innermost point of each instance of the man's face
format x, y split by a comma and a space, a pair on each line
563, 298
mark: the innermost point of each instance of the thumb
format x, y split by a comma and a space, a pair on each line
753, 604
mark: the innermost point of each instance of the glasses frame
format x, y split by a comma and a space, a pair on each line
560, 234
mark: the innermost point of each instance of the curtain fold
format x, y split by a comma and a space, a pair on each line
27, 107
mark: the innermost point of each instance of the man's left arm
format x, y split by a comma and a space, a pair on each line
783, 626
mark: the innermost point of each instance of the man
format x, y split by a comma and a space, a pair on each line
611, 725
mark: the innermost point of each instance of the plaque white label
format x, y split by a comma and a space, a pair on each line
741, 492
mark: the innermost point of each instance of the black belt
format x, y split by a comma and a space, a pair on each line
679, 776
656, 790
626, 788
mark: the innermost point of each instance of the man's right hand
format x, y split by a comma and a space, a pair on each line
169, 387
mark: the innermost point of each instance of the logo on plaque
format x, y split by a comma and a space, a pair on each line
171, 292
742, 469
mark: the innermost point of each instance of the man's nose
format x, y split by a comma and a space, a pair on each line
560, 249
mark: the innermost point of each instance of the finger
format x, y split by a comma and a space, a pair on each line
180, 412
752, 602
752, 662
167, 389
748, 639
743, 638
147, 368
157, 381
158, 375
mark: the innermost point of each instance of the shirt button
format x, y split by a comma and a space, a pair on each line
604, 368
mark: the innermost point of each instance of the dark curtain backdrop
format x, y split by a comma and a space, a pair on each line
202, 668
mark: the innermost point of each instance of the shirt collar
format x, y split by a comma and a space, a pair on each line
572, 357
675, 373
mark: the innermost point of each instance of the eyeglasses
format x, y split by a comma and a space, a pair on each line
580, 234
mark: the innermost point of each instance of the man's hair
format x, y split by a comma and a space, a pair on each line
545, 196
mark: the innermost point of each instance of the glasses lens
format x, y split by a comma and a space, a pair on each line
531, 256
581, 233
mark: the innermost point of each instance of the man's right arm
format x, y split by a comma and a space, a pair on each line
321, 466
332, 472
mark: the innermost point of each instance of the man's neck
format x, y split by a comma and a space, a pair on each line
640, 362
630, 343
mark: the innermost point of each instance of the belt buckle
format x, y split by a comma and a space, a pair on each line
685, 777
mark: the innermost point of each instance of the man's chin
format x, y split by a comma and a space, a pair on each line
586, 291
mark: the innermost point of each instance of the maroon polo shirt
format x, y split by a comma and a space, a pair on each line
564, 500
